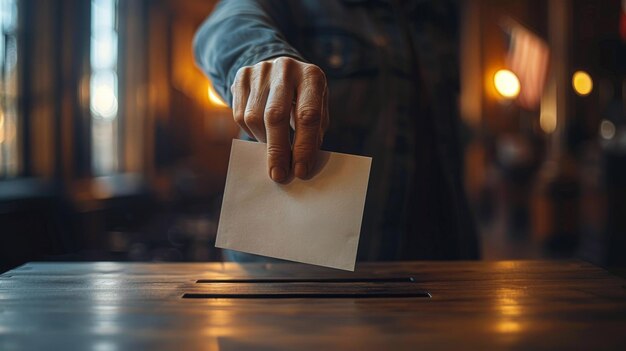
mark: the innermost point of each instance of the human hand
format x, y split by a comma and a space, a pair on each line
272, 95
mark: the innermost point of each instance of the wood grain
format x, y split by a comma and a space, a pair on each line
523, 305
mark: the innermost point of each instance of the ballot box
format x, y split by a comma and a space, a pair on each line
381, 306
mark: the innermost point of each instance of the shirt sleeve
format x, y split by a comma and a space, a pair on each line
241, 33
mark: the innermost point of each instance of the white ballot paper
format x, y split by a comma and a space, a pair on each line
315, 221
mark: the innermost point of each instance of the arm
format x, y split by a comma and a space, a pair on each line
241, 46
241, 33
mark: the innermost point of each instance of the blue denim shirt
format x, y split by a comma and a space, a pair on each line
392, 73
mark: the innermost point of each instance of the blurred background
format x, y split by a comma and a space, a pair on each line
113, 145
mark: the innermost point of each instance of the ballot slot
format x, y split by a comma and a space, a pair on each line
309, 280
285, 288
420, 294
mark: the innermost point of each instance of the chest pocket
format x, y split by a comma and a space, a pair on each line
339, 52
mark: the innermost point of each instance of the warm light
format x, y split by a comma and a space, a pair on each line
508, 327
510, 309
582, 83
104, 101
548, 115
607, 129
507, 83
547, 122
214, 98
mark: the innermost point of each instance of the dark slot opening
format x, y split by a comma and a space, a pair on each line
311, 280
315, 288
421, 294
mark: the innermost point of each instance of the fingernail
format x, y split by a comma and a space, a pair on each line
278, 174
301, 170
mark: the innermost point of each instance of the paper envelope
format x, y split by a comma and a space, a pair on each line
315, 221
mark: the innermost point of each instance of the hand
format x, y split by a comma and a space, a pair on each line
272, 95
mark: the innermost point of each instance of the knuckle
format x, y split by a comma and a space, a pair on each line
313, 70
242, 73
315, 74
309, 117
262, 64
283, 60
241, 79
238, 117
251, 117
262, 68
283, 64
275, 115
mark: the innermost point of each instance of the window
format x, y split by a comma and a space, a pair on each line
9, 153
104, 87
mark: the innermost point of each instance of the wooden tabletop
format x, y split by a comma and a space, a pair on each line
525, 305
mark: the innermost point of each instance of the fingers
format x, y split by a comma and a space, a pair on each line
259, 90
309, 110
263, 96
240, 90
277, 112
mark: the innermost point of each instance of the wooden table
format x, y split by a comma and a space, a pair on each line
474, 305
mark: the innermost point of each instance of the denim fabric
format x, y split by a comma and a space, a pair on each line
392, 73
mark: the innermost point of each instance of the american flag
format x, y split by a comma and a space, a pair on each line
528, 57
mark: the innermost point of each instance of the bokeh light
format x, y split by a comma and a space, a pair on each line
547, 122
582, 83
214, 98
507, 84
607, 129
104, 101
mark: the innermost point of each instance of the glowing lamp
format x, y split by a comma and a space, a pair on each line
506, 83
